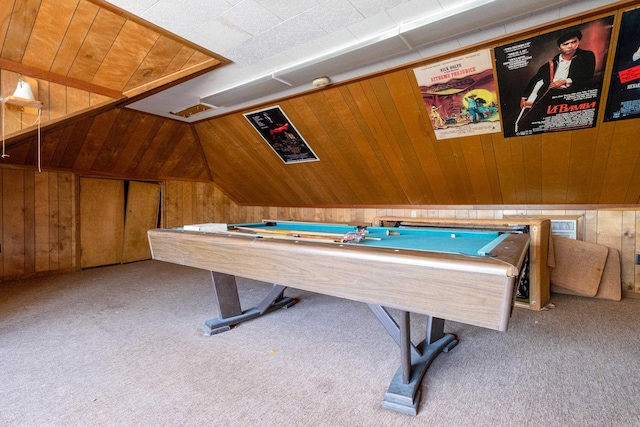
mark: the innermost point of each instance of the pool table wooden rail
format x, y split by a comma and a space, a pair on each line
472, 290
539, 231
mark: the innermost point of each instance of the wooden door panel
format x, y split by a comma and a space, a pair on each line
101, 221
143, 200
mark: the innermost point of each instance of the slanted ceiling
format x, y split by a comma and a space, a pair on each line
372, 135
89, 47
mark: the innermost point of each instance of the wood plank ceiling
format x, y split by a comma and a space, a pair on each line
372, 135
85, 58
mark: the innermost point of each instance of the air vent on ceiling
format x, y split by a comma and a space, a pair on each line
196, 109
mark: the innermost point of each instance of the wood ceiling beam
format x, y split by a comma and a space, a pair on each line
57, 78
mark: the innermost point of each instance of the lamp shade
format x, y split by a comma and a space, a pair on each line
23, 90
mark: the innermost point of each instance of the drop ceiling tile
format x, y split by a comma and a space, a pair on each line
251, 51
369, 8
333, 14
276, 40
181, 17
219, 35
286, 9
251, 17
370, 27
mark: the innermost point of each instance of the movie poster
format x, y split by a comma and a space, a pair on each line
460, 95
553, 82
624, 92
278, 131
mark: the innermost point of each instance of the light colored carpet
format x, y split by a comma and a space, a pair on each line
123, 346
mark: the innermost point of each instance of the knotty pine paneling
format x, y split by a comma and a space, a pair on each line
118, 143
372, 135
38, 222
13, 224
48, 33
583, 148
94, 44
376, 148
132, 42
621, 163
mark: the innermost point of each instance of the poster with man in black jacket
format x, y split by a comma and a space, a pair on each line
553, 82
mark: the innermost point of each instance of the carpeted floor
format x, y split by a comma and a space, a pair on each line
123, 346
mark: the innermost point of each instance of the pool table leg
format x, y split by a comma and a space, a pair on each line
229, 308
403, 394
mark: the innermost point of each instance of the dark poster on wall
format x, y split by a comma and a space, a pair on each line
553, 82
278, 131
623, 101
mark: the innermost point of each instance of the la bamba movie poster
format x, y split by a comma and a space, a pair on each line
553, 82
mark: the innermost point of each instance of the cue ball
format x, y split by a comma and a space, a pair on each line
453, 236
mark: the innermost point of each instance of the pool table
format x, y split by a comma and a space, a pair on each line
461, 275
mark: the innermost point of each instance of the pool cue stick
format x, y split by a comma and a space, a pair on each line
296, 233
325, 239
274, 231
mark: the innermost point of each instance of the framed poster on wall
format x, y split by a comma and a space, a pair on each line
623, 101
460, 96
553, 82
278, 131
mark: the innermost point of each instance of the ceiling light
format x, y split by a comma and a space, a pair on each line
321, 81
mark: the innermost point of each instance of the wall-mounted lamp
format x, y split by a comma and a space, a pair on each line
23, 91
24, 100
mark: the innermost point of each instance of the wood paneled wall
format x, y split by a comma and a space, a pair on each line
38, 222
192, 203
377, 147
375, 143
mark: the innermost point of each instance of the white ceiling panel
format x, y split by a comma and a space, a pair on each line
286, 9
251, 17
369, 8
332, 15
183, 16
